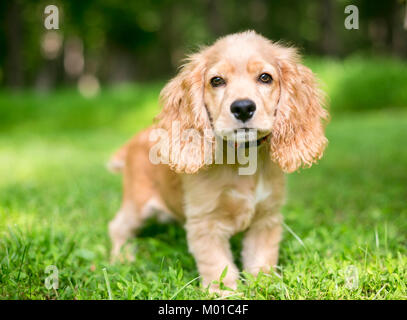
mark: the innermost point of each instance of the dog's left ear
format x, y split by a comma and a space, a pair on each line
185, 118
298, 138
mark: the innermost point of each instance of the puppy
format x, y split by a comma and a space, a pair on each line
240, 84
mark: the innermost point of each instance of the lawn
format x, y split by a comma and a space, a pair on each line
345, 231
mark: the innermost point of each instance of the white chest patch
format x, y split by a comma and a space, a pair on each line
262, 191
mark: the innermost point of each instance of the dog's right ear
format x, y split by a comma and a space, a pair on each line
183, 110
298, 138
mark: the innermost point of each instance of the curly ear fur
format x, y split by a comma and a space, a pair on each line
298, 138
184, 116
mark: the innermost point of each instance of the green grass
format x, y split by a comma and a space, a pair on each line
360, 84
344, 216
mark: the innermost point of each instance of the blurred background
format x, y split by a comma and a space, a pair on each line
121, 41
72, 96
102, 43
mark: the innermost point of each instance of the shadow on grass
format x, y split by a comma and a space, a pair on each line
172, 232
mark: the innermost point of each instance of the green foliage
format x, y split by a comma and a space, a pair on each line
359, 84
354, 84
147, 39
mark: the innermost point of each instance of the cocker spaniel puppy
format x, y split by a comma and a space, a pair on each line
180, 166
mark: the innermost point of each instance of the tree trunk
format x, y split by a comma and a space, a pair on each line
214, 18
328, 37
405, 15
14, 60
399, 35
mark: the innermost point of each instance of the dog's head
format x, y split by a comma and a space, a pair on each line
243, 82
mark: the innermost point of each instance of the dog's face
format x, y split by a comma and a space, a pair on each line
242, 82
241, 90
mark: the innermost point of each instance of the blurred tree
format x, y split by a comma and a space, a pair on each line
405, 14
329, 39
13, 38
146, 39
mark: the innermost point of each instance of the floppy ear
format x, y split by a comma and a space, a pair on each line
184, 116
298, 138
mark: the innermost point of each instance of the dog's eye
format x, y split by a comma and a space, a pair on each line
265, 78
217, 82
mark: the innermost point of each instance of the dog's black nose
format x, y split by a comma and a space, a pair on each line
243, 110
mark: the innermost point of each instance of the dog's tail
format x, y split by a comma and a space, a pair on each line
117, 160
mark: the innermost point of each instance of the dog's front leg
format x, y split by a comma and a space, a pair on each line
209, 244
261, 243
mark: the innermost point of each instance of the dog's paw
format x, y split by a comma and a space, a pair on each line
221, 293
126, 254
226, 288
255, 270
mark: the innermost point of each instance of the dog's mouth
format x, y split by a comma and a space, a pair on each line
246, 137
251, 144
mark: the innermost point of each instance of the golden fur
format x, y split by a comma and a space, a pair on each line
213, 200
